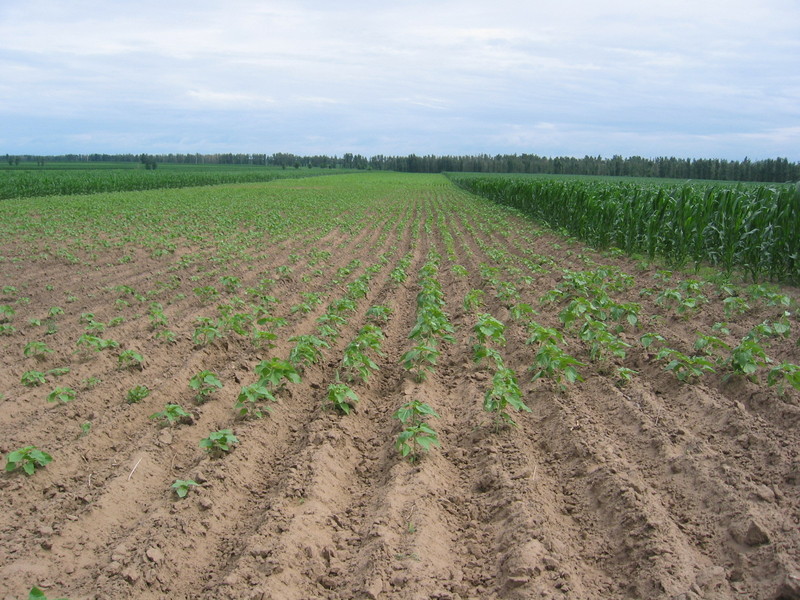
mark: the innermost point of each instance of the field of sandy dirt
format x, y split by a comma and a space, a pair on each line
654, 488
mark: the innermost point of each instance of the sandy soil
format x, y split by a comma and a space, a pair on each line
654, 489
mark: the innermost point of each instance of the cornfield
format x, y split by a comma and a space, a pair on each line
754, 228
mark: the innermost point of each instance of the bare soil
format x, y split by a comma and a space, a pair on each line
654, 489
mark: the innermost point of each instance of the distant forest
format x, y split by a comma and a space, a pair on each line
768, 170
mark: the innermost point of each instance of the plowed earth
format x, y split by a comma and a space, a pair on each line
654, 489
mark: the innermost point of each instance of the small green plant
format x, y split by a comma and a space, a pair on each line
206, 293
204, 384
784, 372
37, 350
417, 436
55, 311
33, 378
7, 329
685, 367
6, 313
37, 594
473, 300
86, 428
28, 459
89, 343
274, 372
62, 395
747, 357
137, 393
250, 402
307, 350
459, 271
230, 283
503, 394
624, 376
181, 487
342, 397
172, 414
379, 313
735, 305
219, 442
90, 382
553, 363
420, 360
130, 359
207, 331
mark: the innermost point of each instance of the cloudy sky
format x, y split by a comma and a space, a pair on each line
686, 78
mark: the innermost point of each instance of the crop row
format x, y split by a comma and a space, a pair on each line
754, 229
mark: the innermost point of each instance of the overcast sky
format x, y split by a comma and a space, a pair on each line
685, 78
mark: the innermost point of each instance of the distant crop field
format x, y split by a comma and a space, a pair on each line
54, 179
379, 385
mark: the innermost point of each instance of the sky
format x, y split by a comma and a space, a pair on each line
684, 78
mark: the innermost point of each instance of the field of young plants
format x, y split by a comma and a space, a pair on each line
379, 385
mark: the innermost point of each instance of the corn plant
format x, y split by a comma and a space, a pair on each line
28, 459
417, 436
204, 384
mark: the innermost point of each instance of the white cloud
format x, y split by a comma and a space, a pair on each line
410, 76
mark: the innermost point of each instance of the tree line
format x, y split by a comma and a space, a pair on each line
767, 170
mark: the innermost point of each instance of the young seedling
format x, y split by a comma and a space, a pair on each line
274, 373
181, 487
130, 359
37, 594
417, 436
503, 394
784, 372
342, 397
172, 413
33, 378
28, 458
204, 384
37, 350
62, 395
137, 394
250, 402
219, 442
420, 360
